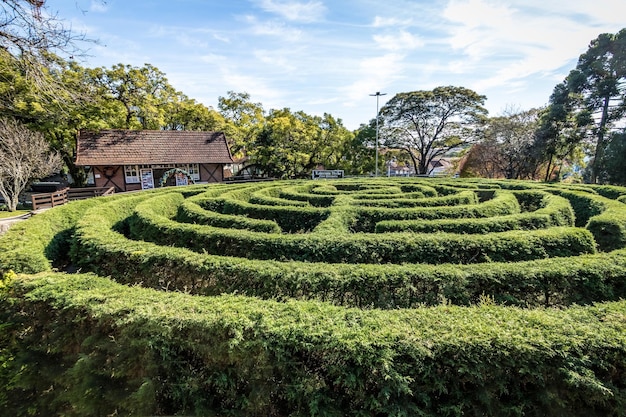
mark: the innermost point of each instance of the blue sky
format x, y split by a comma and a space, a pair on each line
324, 56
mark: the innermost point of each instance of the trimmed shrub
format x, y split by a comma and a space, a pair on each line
609, 227
190, 212
150, 223
604, 218
585, 205
503, 203
612, 192
302, 193
554, 211
465, 197
309, 337
42, 241
138, 352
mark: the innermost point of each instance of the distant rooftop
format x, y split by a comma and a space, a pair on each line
130, 147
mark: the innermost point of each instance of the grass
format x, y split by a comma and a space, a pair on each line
6, 214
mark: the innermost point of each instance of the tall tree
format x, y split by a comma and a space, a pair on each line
59, 119
614, 168
24, 155
291, 145
600, 80
184, 113
506, 150
427, 124
561, 129
244, 120
483, 160
34, 36
358, 155
141, 93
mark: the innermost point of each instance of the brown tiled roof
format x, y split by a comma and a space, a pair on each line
130, 147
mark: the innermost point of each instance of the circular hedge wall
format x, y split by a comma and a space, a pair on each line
337, 297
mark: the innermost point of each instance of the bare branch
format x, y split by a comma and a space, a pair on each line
36, 37
24, 155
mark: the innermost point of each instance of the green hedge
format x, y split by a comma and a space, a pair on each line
35, 245
100, 348
502, 204
150, 224
609, 228
290, 219
370, 196
425, 189
584, 204
579, 279
270, 196
558, 281
86, 346
612, 192
603, 217
554, 211
191, 212
464, 197
303, 193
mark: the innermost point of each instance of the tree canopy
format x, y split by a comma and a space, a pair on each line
427, 124
291, 145
591, 102
507, 147
43, 88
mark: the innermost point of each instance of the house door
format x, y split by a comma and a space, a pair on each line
158, 174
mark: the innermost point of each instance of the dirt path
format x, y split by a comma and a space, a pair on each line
5, 223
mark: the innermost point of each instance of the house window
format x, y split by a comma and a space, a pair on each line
194, 171
131, 173
90, 177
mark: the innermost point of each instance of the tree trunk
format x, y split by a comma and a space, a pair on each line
547, 177
413, 160
599, 155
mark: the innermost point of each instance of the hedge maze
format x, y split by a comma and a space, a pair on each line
352, 297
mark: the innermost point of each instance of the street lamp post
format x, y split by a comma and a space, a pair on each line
378, 94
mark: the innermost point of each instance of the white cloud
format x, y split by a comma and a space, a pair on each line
189, 38
522, 38
401, 41
257, 87
479, 27
308, 12
221, 38
213, 58
380, 22
373, 74
98, 6
273, 28
327, 56
279, 61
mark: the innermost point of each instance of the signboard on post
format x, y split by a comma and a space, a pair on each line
326, 173
147, 181
181, 179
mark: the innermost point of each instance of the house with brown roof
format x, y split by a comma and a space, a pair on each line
142, 159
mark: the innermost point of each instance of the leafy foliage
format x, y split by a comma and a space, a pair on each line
241, 356
426, 124
590, 102
81, 344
